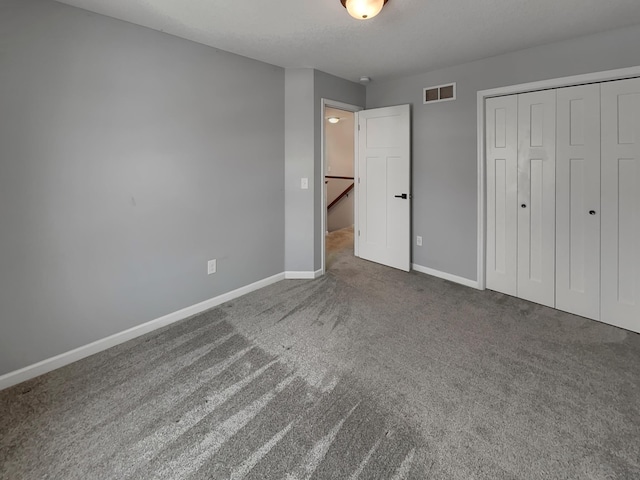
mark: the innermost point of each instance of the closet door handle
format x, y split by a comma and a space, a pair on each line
524, 205
592, 212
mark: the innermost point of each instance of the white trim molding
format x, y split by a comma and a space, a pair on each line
596, 77
13, 378
446, 276
303, 275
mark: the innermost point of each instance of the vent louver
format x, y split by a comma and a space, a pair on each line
439, 93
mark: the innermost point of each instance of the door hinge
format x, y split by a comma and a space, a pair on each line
358, 127
358, 179
358, 232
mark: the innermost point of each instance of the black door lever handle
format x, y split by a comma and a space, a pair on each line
404, 196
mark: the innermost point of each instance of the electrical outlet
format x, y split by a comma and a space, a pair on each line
419, 241
212, 267
304, 183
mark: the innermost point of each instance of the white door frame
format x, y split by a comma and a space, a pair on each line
323, 202
597, 77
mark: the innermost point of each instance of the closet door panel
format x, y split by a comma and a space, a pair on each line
621, 204
502, 182
536, 196
578, 201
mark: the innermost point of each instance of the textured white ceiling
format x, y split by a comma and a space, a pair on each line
409, 36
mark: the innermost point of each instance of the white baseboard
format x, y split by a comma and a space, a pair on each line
12, 378
446, 276
302, 275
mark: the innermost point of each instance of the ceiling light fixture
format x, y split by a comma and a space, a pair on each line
363, 9
333, 119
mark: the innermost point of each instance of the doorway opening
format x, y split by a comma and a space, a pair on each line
339, 193
339, 181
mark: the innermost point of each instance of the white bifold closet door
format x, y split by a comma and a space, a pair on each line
536, 196
621, 203
578, 201
502, 193
563, 199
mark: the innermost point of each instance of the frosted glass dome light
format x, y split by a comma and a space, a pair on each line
363, 9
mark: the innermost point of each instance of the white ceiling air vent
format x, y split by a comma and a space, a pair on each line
439, 93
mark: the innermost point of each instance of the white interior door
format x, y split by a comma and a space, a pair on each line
536, 196
384, 189
502, 193
578, 201
621, 204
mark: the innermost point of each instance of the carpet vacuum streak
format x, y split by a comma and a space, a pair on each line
365, 373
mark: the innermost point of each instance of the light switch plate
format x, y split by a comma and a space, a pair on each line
212, 266
304, 183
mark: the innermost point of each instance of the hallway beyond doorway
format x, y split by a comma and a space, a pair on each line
336, 242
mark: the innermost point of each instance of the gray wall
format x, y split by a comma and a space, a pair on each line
128, 158
299, 137
304, 90
444, 135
